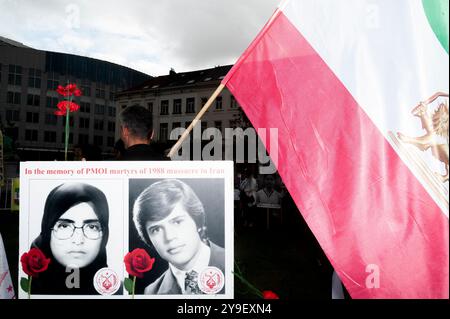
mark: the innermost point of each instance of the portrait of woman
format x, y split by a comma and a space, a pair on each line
74, 233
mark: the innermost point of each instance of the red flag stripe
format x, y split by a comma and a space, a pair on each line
360, 200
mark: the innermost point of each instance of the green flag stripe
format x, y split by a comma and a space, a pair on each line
437, 15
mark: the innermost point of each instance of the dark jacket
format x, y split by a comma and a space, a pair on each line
141, 152
166, 284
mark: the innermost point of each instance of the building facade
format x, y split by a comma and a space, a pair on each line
176, 98
28, 79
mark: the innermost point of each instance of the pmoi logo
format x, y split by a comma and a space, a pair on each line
106, 281
211, 280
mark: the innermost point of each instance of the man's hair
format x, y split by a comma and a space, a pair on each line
138, 120
158, 200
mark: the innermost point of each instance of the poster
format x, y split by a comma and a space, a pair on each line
174, 219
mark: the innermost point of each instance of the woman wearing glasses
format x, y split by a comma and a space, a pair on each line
74, 233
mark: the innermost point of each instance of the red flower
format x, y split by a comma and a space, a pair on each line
68, 90
34, 262
64, 105
268, 294
137, 262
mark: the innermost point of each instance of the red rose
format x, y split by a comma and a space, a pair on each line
267, 294
34, 262
137, 262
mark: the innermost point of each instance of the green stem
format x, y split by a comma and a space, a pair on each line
67, 134
29, 286
134, 285
253, 288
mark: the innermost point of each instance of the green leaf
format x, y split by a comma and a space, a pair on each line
24, 284
128, 283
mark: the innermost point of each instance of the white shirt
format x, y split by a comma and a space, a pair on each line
201, 263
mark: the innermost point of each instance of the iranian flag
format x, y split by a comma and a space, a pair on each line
6, 286
358, 90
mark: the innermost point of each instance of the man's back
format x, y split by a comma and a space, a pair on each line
142, 152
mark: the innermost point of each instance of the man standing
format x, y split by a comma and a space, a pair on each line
136, 130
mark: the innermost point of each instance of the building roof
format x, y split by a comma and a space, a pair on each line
183, 79
8, 42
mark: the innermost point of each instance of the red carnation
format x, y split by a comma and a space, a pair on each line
267, 294
34, 262
64, 105
68, 90
137, 262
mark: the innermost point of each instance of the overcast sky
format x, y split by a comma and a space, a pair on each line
151, 36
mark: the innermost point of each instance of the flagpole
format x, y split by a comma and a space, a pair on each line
185, 134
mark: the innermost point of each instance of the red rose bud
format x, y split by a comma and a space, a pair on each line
137, 262
34, 262
267, 294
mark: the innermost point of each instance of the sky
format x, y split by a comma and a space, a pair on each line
151, 36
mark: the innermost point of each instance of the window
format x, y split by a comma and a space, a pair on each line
98, 125
111, 96
12, 115
111, 127
204, 100
186, 124
100, 93
85, 107
85, 90
31, 135
219, 103
32, 117
34, 78
52, 81
98, 140
52, 102
190, 105
15, 75
83, 122
70, 121
176, 106
51, 119
175, 125
112, 111
163, 131
33, 100
13, 97
63, 137
50, 136
83, 139
233, 102
164, 107
99, 109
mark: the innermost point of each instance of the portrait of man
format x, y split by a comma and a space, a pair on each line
181, 223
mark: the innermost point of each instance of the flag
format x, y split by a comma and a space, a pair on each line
6, 286
358, 91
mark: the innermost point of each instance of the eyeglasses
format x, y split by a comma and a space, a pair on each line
65, 230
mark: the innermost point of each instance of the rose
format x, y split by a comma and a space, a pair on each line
137, 262
267, 294
34, 262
